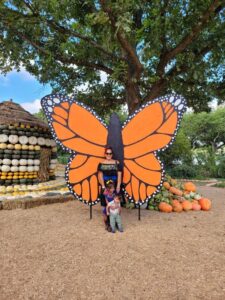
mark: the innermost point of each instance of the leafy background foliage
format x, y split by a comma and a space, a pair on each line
146, 48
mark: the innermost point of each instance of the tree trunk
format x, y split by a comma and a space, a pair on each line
133, 98
45, 157
157, 90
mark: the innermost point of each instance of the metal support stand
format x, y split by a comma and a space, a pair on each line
90, 211
139, 212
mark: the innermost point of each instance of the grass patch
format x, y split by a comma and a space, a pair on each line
220, 184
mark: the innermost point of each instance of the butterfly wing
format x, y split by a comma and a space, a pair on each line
151, 129
77, 130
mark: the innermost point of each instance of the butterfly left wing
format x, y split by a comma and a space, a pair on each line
79, 131
82, 177
151, 129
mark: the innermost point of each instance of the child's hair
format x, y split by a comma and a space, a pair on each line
110, 186
118, 197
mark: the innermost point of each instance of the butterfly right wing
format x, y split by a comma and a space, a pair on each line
77, 130
150, 130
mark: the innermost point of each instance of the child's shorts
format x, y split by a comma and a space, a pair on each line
104, 211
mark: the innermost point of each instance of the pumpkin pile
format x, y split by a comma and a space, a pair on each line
178, 197
34, 190
20, 148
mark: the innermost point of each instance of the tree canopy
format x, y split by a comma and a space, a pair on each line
143, 48
205, 129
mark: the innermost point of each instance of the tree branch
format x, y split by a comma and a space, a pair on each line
126, 46
68, 60
195, 30
215, 7
63, 30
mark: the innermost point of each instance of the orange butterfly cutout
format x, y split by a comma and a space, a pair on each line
79, 131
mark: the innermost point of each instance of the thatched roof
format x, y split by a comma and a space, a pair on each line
11, 113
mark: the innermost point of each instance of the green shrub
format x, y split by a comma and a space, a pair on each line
182, 171
63, 159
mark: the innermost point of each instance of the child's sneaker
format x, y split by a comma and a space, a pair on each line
120, 230
112, 231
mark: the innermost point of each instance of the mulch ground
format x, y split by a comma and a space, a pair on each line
56, 252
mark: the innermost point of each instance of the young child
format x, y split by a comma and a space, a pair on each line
114, 210
109, 194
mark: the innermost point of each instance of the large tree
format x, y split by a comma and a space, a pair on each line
146, 48
205, 129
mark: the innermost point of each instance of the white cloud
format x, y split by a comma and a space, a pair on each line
23, 74
32, 107
103, 76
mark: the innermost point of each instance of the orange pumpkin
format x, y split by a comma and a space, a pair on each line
178, 207
195, 202
196, 206
205, 204
165, 207
187, 205
166, 185
174, 202
189, 186
175, 191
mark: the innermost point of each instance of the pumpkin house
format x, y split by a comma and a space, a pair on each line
27, 150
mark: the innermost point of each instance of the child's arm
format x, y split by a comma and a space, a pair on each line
107, 210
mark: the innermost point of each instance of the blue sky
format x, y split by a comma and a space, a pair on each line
23, 88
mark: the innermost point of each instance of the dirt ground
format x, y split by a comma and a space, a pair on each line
56, 252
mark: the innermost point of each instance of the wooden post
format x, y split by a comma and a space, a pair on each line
139, 212
91, 211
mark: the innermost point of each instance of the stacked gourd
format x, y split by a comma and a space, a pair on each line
18, 190
178, 197
20, 146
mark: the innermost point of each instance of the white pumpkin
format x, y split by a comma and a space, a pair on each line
3, 146
41, 141
3, 138
23, 139
36, 162
36, 168
23, 162
32, 140
53, 143
9, 188
5, 168
48, 142
6, 161
13, 139
53, 161
15, 162
52, 166
22, 168
30, 169
14, 169
2, 189
30, 162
